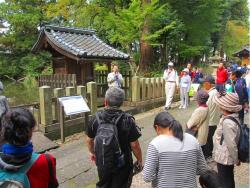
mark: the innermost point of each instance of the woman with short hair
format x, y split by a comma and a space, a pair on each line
20, 166
199, 119
173, 158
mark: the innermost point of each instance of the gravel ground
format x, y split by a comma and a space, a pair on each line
86, 177
241, 177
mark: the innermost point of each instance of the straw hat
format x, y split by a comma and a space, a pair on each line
228, 102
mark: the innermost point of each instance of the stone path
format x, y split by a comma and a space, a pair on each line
74, 169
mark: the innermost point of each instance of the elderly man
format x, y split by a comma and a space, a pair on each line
115, 78
112, 136
214, 112
172, 80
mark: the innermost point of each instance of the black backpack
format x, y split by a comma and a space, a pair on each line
244, 141
109, 156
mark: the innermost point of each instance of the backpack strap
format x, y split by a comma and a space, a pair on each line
25, 168
232, 119
97, 118
52, 182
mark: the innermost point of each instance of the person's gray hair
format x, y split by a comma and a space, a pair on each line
202, 96
114, 96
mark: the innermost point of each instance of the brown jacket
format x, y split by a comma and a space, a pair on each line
199, 120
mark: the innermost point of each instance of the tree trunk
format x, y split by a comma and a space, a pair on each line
146, 50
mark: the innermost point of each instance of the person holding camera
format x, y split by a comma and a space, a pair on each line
112, 136
115, 78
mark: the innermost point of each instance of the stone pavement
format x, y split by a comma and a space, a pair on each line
74, 169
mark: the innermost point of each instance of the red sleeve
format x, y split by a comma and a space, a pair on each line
39, 173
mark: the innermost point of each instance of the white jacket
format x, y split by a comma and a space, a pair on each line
114, 79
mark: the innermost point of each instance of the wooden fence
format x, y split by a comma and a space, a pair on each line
57, 80
147, 88
102, 85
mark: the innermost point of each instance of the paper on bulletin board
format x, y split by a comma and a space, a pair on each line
74, 105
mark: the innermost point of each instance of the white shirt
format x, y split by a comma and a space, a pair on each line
247, 77
114, 79
171, 76
186, 82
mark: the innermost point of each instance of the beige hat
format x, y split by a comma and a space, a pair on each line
228, 102
186, 70
171, 64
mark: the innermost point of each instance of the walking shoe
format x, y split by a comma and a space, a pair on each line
180, 107
167, 108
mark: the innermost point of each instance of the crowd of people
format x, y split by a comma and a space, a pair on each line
174, 157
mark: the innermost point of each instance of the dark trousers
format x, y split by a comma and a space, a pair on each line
241, 116
208, 148
226, 175
120, 179
220, 87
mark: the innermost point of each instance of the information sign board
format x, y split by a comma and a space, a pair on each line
73, 105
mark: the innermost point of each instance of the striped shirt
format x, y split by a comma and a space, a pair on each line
171, 163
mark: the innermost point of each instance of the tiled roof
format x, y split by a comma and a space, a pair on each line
82, 43
245, 49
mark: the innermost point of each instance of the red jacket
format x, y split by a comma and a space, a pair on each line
222, 76
38, 174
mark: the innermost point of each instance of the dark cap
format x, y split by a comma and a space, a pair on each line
210, 79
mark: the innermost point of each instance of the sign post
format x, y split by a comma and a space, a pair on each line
71, 106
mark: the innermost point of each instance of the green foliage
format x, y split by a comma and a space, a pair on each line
101, 67
236, 37
177, 29
23, 17
20, 93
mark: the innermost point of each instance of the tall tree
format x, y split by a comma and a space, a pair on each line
23, 17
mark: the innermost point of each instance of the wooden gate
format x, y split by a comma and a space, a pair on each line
102, 85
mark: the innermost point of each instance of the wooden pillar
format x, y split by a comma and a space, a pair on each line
45, 98
158, 85
135, 89
163, 87
70, 91
92, 90
81, 90
143, 89
58, 92
149, 88
153, 82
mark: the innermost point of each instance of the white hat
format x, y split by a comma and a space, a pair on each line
186, 70
171, 64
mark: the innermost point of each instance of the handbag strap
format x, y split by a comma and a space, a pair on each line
52, 182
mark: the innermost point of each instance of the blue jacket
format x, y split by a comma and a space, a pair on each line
239, 86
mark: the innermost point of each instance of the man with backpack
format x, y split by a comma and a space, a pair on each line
112, 136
